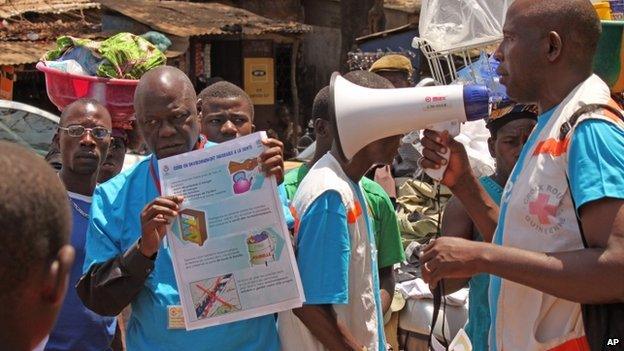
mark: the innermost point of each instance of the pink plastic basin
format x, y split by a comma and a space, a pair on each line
116, 94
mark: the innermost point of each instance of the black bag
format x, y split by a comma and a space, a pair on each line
604, 323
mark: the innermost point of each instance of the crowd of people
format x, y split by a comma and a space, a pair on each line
540, 242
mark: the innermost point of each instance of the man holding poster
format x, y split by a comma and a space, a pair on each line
125, 261
230, 247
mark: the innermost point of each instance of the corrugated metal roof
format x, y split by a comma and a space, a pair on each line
385, 33
48, 30
409, 6
11, 8
21, 52
190, 19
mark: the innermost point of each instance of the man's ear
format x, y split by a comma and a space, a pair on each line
57, 276
555, 45
491, 147
253, 127
320, 127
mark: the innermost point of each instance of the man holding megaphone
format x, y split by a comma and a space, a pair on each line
557, 258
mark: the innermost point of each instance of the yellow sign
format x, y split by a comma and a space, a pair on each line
259, 80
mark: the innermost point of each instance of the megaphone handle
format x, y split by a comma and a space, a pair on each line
438, 174
453, 128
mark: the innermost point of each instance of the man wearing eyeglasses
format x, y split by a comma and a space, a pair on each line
113, 163
84, 139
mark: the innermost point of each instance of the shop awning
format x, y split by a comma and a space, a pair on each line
187, 19
22, 52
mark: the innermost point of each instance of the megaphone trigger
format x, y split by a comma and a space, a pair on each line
452, 127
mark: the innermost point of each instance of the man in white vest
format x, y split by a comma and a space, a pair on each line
544, 263
336, 253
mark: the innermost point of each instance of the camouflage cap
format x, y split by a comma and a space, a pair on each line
500, 117
392, 63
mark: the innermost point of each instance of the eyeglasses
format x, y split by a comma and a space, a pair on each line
76, 131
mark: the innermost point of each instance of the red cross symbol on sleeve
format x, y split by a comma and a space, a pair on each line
542, 209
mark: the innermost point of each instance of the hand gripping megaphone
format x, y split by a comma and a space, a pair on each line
362, 115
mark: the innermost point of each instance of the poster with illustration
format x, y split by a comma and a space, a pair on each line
231, 250
246, 175
215, 296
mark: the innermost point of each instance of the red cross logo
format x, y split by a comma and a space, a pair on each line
542, 209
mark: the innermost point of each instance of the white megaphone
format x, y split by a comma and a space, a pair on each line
362, 115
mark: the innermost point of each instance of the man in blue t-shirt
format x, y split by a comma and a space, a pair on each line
226, 112
336, 252
125, 261
539, 250
84, 138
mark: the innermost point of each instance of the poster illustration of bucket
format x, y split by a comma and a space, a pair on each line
262, 248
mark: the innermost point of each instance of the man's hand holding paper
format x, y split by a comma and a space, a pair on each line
155, 218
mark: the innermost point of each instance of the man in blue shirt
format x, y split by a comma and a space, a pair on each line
543, 262
508, 133
336, 251
84, 138
125, 261
226, 112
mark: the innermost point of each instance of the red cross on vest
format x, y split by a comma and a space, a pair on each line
542, 209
